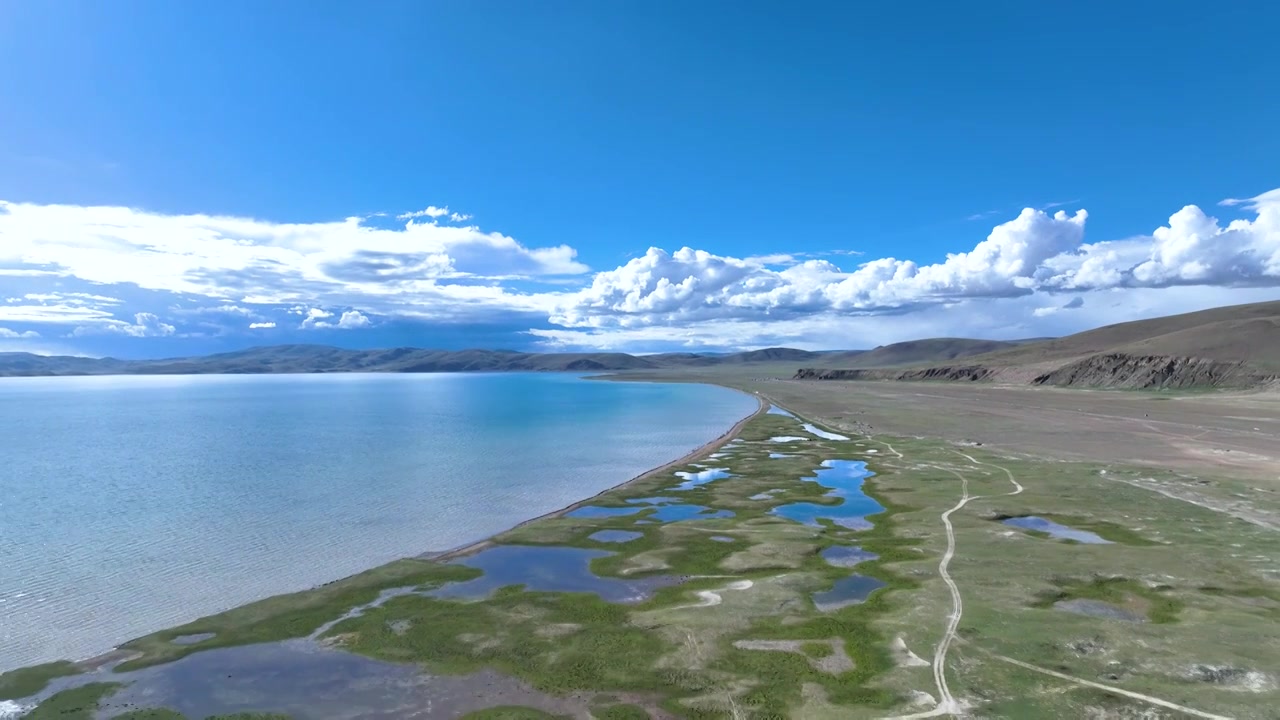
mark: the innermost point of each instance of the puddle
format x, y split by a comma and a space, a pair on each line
1060, 532
615, 536
776, 456
787, 438
775, 410
1098, 609
653, 500
597, 511
846, 556
808, 427
303, 679
547, 569
723, 538
766, 495
845, 477
852, 590
189, 640
693, 480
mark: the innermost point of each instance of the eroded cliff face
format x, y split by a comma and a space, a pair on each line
1106, 370
969, 373
1120, 370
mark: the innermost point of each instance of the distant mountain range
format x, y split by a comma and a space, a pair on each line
1235, 346
325, 359
1228, 347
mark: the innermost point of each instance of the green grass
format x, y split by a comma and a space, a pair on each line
1183, 565
74, 704
290, 616
151, 714
25, 682
1162, 608
817, 650
620, 712
511, 712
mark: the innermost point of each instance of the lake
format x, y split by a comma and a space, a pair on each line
132, 504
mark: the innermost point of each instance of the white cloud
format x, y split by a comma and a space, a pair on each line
353, 320
15, 335
431, 211
317, 319
52, 314
344, 275
261, 325
423, 268
459, 217
145, 325
1034, 252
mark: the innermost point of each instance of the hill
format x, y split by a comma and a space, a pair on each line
933, 350
1228, 347
325, 359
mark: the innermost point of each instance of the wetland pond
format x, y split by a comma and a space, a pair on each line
1055, 530
547, 569
845, 478
851, 590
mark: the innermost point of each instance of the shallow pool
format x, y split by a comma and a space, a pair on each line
1055, 530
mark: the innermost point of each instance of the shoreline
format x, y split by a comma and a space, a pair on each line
100, 660
461, 551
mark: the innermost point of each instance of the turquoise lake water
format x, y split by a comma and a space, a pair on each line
131, 504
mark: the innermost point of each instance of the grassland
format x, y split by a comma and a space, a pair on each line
741, 637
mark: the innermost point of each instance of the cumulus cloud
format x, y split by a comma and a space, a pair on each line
145, 325
349, 275
353, 320
317, 319
422, 268
15, 335
1034, 252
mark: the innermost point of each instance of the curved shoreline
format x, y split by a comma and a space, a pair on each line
762, 406
115, 654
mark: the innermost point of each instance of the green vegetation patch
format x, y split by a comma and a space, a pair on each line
620, 712
74, 704
511, 712
1157, 604
606, 653
293, 615
817, 650
27, 681
151, 714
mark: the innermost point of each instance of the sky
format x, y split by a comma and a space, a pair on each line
185, 178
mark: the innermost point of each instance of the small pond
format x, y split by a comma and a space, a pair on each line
547, 569
695, 479
1098, 609
1060, 532
615, 536
846, 555
810, 428
845, 478
852, 590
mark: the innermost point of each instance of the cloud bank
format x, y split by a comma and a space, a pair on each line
71, 271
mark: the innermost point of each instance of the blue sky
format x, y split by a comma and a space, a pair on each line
182, 178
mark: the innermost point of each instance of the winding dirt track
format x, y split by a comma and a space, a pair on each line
947, 704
